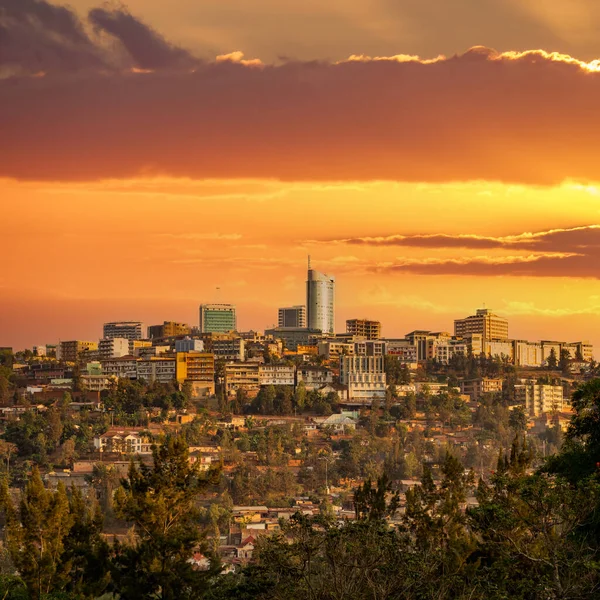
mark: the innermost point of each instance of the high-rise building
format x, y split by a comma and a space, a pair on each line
130, 330
217, 318
364, 328
320, 300
292, 316
484, 322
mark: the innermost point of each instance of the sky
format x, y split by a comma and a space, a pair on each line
435, 156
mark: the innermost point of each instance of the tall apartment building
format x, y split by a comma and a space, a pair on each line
292, 316
244, 376
538, 398
168, 329
113, 348
364, 328
70, 350
130, 330
320, 300
217, 318
198, 368
484, 322
365, 378
156, 368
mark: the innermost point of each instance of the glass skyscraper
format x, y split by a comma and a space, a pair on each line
320, 300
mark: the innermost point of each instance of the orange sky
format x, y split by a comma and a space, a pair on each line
427, 187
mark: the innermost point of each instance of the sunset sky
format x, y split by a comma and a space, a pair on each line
433, 155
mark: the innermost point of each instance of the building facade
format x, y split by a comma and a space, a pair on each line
113, 348
538, 398
292, 316
130, 330
70, 350
155, 368
168, 329
364, 377
189, 345
320, 301
198, 368
217, 318
484, 322
476, 388
276, 375
371, 330
240, 375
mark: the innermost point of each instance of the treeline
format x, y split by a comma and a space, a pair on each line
54, 546
521, 535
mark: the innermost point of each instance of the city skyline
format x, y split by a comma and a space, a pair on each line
422, 218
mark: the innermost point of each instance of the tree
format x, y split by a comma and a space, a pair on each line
161, 503
552, 360
565, 360
36, 534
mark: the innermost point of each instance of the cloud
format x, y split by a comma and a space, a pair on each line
574, 238
148, 49
39, 37
522, 117
573, 252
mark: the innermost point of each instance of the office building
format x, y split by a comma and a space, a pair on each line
130, 330
320, 301
217, 318
168, 329
371, 330
113, 348
364, 377
292, 316
71, 350
484, 322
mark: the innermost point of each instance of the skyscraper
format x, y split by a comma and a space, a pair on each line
217, 318
320, 297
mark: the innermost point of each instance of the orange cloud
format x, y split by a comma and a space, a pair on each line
527, 117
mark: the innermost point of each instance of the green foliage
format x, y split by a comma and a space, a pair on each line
160, 501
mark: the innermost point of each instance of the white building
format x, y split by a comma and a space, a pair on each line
320, 300
364, 377
113, 348
276, 375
